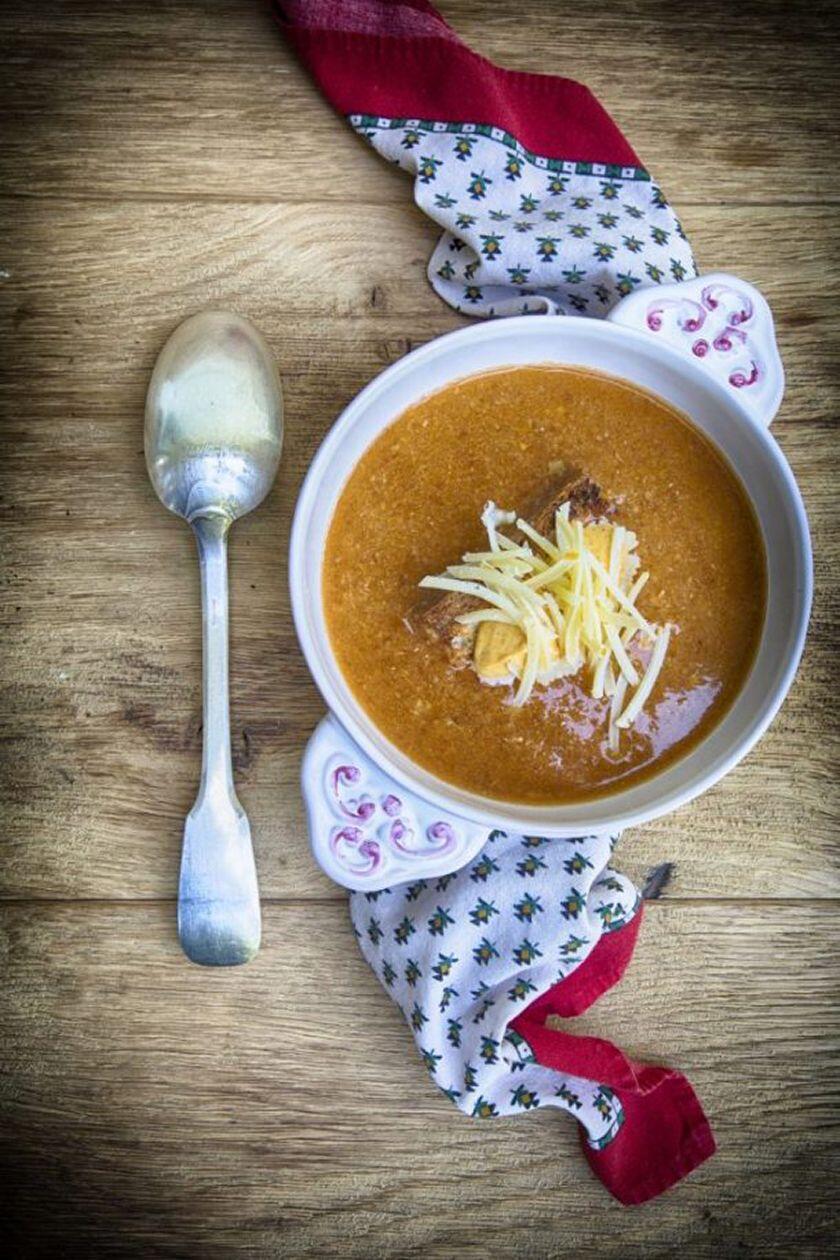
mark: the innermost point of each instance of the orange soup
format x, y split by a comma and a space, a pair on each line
412, 506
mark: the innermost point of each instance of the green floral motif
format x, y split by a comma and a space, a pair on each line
513, 167
412, 972
656, 274
439, 921
556, 185
404, 930
572, 946
579, 230
489, 1051
527, 907
529, 866
519, 275
608, 220
577, 864
427, 169
483, 869
491, 246
520, 990
472, 293
431, 1059
443, 966
446, 272
610, 190
464, 221
374, 931
418, 1018
470, 1078
526, 953
464, 146
581, 203
547, 247
553, 216
443, 201
633, 244
626, 282
411, 139
388, 974
484, 952
499, 216
446, 997
414, 890
524, 1098
633, 211
482, 912
527, 203
523, 225
574, 275
568, 1096
678, 271
478, 185
454, 1028
484, 1110
659, 236
572, 906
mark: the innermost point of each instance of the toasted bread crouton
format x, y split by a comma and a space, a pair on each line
437, 618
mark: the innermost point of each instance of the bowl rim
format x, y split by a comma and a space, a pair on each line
491, 811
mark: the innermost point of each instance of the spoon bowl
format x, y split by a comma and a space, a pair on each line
214, 417
213, 437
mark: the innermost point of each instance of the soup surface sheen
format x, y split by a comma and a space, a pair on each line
411, 507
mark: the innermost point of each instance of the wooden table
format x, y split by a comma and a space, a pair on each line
162, 157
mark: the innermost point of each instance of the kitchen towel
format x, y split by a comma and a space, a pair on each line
480, 960
544, 205
545, 208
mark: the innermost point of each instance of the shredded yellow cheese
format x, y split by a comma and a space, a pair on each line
556, 606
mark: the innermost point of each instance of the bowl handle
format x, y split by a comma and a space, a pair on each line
366, 830
724, 326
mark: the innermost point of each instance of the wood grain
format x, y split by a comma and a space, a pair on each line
159, 158
281, 1110
187, 98
103, 706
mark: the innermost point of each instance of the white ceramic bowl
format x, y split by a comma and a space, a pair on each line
654, 340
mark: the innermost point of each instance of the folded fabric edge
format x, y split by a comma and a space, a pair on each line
440, 79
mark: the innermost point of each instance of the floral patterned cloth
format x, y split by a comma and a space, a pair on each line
464, 955
526, 234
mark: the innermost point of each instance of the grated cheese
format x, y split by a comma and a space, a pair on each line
572, 600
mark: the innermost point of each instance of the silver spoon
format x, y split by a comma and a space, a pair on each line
214, 430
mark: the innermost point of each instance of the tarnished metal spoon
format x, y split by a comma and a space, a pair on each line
214, 430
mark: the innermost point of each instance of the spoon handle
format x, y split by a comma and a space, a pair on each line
218, 899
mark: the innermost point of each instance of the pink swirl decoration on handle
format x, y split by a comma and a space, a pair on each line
391, 805
713, 294
361, 808
740, 378
724, 341
440, 837
354, 851
689, 323
733, 307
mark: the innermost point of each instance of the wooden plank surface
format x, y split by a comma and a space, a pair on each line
104, 706
159, 158
282, 1110
186, 98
